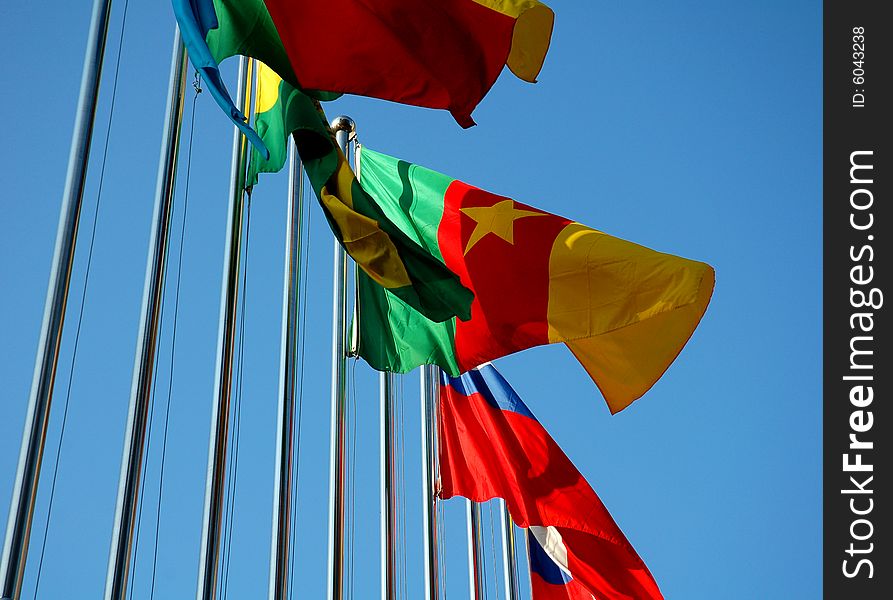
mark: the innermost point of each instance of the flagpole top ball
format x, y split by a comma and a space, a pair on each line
343, 123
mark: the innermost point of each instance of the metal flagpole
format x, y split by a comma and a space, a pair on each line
229, 299
388, 490
509, 561
282, 483
475, 551
343, 128
429, 499
18, 528
141, 387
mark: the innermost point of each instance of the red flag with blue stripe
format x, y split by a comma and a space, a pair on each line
548, 580
491, 446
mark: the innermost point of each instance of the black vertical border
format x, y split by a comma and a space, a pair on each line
848, 129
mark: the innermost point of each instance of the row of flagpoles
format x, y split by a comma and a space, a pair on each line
624, 350
24, 493
18, 529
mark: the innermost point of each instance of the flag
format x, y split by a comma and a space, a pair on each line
273, 121
385, 254
445, 54
549, 580
623, 310
491, 446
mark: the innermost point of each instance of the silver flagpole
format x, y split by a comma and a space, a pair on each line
429, 458
343, 128
475, 551
388, 490
229, 300
141, 387
24, 492
282, 482
509, 561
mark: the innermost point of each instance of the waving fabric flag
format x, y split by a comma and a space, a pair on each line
491, 446
386, 255
624, 311
273, 121
548, 579
195, 19
445, 54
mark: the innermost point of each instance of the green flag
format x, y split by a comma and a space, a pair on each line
389, 257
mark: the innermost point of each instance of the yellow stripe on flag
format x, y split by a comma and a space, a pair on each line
625, 311
530, 36
366, 243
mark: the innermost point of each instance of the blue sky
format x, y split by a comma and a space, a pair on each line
691, 127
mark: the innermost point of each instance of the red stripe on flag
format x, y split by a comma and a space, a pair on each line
510, 279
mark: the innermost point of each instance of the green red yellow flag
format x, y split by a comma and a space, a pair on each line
445, 54
386, 255
625, 311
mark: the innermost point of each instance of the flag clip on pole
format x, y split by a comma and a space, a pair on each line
475, 551
144, 361
220, 409
24, 491
283, 473
509, 560
343, 128
429, 499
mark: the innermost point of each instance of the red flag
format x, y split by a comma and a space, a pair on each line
492, 446
444, 54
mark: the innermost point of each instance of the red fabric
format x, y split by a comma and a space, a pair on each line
543, 590
510, 281
443, 54
488, 453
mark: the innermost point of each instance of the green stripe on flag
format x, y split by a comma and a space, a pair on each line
394, 336
245, 27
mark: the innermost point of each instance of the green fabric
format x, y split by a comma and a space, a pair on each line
274, 126
393, 336
246, 28
435, 291
418, 192
397, 338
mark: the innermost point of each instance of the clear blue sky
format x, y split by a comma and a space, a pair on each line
692, 127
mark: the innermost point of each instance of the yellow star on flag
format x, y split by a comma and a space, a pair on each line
498, 219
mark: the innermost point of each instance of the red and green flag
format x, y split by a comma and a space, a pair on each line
445, 54
625, 311
386, 255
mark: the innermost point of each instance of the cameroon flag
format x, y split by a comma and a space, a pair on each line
438, 54
625, 311
387, 256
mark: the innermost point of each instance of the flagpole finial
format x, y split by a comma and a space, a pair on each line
343, 123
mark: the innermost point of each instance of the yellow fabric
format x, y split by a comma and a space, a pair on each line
530, 42
369, 246
267, 88
530, 37
625, 311
510, 8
